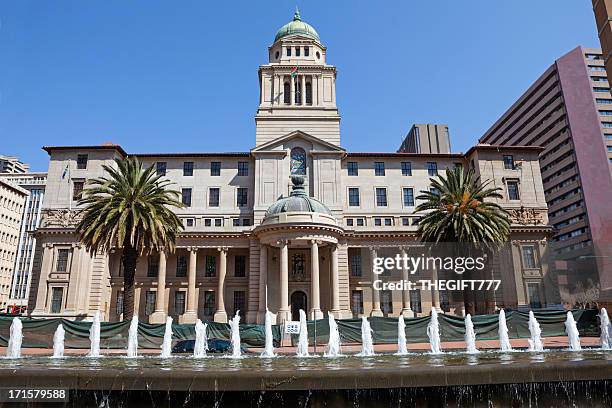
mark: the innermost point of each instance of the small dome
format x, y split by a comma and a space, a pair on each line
297, 27
298, 201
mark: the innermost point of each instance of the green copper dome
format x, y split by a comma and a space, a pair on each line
297, 27
298, 201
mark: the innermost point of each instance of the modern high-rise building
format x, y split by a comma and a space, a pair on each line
11, 164
34, 183
603, 20
426, 138
568, 111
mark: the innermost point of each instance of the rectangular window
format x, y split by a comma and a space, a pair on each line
513, 190
240, 266
360, 222
533, 291
377, 222
213, 197
606, 124
181, 266
179, 302
56, 300
236, 222
77, 189
306, 51
415, 301
188, 168
379, 168
508, 162
356, 265
61, 264
406, 169
119, 304
153, 266
604, 101
381, 197
386, 302
218, 222
288, 51
150, 298
405, 221
432, 169
297, 51
246, 222
211, 266
434, 190
597, 68
242, 196
529, 256
388, 222
189, 222
357, 302
349, 222
160, 167
353, 168
215, 168
243, 169
82, 161
186, 197
353, 197
239, 302
408, 195
605, 112
209, 303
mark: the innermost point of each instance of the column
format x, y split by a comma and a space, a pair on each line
315, 296
283, 312
303, 90
221, 315
405, 292
191, 314
45, 269
435, 294
161, 309
335, 281
263, 281
376, 311
74, 290
292, 86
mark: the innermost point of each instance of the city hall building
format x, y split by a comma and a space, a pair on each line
293, 223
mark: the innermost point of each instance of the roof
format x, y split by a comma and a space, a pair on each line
297, 27
118, 148
298, 201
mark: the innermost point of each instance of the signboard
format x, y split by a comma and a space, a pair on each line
292, 327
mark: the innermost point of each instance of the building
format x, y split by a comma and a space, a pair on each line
603, 20
568, 111
427, 138
256, 236
34, 184
10, 164
12, 202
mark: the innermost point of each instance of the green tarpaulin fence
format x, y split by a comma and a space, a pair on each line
39, 332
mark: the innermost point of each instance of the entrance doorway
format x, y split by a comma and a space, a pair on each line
298, 301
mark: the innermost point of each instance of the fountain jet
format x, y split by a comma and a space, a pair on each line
302, 348
604, 322
367, 344
94, 336
235, 335
201, 342
132, 348
333, 345
433, 332
166, 347
58, 342
269, 347
504, 339
470, 335
573, 337
16, 338
401, 336
535, 342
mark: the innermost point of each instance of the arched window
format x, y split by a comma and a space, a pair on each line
308, 93
298, 161
287, 93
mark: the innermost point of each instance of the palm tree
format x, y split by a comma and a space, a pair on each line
460, 209
132, 210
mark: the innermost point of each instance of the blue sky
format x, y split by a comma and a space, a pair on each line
182, 76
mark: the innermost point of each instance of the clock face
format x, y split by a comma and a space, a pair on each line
298, 162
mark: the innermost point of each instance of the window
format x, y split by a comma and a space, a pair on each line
432, 169
606, 124
56, 300
236, 222
355, 265
297, 51
187, 168
377, 222
381, 197
353, 197
298, 161
308, 93
61, 264
218, 222
189, 222
150, 298
444, 301
415, 301
209, 303
186, 197
386, 302
508, 162
406, 169
605, 112
360, 222
306, 51
603, 101
597, 68
246, 222
593, 56
357, 301
287, 93
211, 266
533, 291
599, 79
160, 167
388, 222
77, 189
179, 302
529, 256
215, 169
240, 266
239, 302
513, 190
119, 304
353, 168
297, 266
408, 196
181, 266
242, 196
152, 266
243, 169
288, 51
82, 161
405, 221
213, 197
379, 168
349, 222
601, 89
207, 222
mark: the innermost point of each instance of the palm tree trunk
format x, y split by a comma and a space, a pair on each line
129, 259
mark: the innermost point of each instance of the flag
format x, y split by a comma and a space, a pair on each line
66, 172
294, 71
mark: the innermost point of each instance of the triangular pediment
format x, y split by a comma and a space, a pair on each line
315, 143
